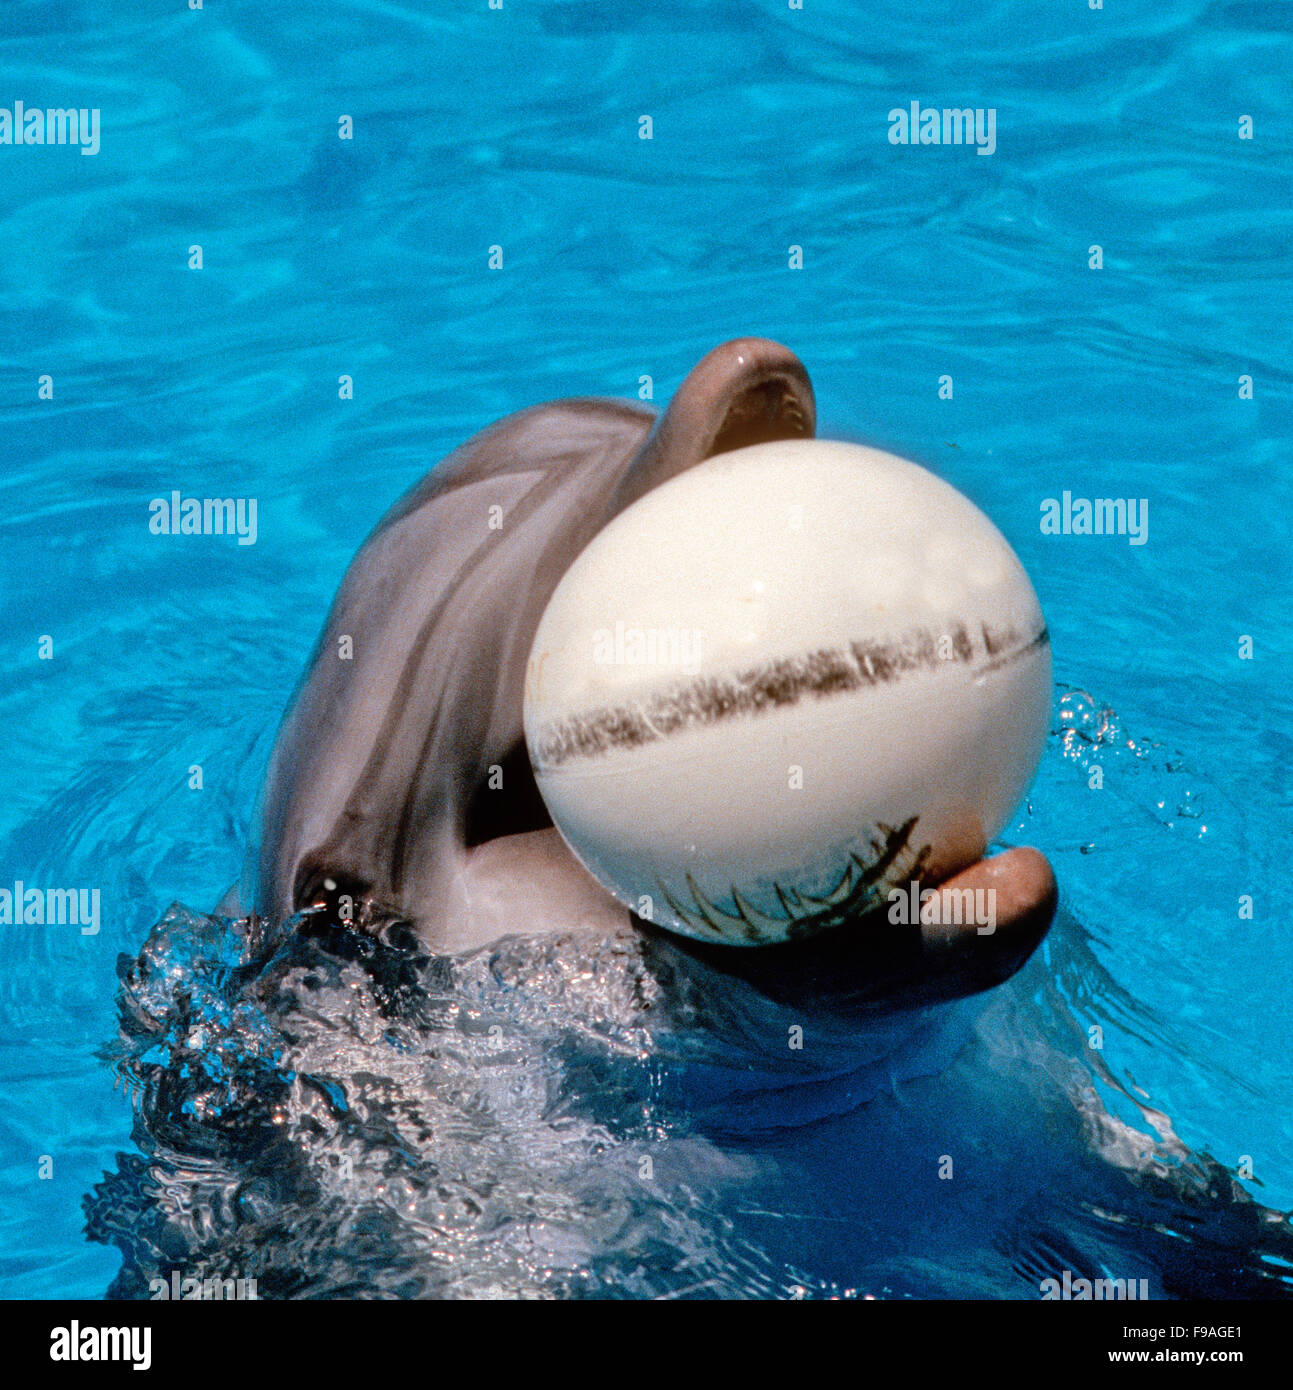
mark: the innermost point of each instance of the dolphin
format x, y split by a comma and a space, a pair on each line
399, 788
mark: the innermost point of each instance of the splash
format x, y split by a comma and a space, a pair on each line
331, 1113
339, 1114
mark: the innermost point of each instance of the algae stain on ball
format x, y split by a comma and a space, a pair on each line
777, 686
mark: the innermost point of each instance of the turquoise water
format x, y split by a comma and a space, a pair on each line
621, 258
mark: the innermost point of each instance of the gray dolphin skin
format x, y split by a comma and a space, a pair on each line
399, 787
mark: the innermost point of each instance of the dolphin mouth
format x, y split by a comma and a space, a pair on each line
521, 810
768, 411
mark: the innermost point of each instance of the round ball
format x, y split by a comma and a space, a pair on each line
779, 686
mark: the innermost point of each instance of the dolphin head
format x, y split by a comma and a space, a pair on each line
403, 747
399, 788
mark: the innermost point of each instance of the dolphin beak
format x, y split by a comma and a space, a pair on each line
747, 391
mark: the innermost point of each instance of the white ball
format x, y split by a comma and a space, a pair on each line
776, 687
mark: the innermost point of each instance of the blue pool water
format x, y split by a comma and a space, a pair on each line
621, 258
